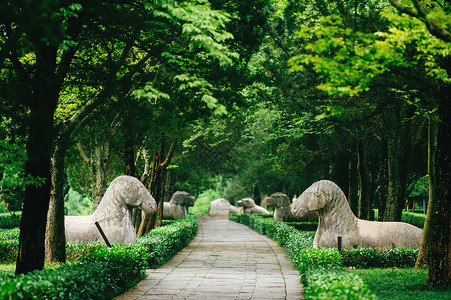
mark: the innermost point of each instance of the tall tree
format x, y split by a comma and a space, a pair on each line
42, 32
420, 46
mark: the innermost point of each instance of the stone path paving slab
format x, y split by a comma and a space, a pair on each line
225, 260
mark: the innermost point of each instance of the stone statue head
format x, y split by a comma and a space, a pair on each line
246, 202
182, 198
312, 199
278, 200
132, 192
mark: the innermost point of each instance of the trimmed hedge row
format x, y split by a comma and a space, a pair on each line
415, 219
164, 242
372, 258
320, 268
97, 272
9, 245
10, 220
103, 274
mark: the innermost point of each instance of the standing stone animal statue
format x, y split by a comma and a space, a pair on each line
250, 206
282, 207
336, 219
177, 207
222, 207
113, 214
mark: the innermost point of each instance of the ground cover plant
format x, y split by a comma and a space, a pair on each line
351, 274
404, 283
95, 271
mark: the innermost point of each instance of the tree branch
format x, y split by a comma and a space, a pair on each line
82, 153
169, 156
434, 28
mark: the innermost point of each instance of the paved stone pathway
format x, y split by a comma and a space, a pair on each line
225, 260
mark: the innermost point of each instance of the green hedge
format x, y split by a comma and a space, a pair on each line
320, 268
9, 245
10, 220
325, 284
97, 272
416, 219
163, 242
413, 218
373, 258
103, 274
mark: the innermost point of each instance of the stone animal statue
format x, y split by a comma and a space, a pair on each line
250, 206
336, 219
177, 207
282, 207
222, 207
113, 214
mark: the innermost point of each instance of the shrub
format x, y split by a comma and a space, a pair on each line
9, 245
96, 271
318, 259
163, 242
373, 258
8, 251
102, 274
9, 234
319, 267
10, 220
415, 219
335, 285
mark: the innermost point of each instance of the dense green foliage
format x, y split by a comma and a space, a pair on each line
11, 219
416, 219
336, 285
202, 204
163, 242
373, 258
95, 271
101, 275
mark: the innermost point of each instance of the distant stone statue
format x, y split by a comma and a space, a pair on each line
222, 207
336, 219
282, 207
113, 214
250, 206
177, 207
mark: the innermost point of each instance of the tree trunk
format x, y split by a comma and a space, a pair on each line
129, 152
438, 217
55, 238
100, 161
399, 147
39, 148
156, 183
383, 180
364, 184
353, 186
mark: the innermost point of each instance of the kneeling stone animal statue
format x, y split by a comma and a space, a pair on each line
113, 214
177, 207
336, 219
250, 206
222, 207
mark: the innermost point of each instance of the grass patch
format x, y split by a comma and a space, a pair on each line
400, 284
202, 204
